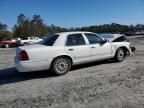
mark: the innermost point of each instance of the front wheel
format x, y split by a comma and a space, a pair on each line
7, 45
61, 66
120, 55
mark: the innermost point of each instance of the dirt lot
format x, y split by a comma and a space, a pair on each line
94, 85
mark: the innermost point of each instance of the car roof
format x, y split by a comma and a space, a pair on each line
72, 32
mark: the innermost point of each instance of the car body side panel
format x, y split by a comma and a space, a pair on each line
27, 66
100, 51
78, 53
39, 58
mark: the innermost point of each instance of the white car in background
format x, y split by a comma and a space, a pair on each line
30, 40
60, 51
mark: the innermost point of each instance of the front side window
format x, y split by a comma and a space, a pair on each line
93, 39
49, 41
75, 40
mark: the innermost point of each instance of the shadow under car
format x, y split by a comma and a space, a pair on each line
11, 75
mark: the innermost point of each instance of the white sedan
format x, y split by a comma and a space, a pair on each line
60, 51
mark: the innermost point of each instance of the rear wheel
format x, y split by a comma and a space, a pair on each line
61, 66
120, 55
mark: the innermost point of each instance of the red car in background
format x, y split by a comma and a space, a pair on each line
8, 43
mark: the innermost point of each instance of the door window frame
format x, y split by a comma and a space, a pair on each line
75, 45
88, 39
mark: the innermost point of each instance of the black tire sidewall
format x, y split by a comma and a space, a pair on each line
116, 56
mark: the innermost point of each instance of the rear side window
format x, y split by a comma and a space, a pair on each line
75, 40
24, 38
50, 40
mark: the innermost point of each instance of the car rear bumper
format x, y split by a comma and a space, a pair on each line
31, 66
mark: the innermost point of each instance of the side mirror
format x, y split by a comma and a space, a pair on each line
104, 41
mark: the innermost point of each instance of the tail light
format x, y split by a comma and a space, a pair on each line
23, 56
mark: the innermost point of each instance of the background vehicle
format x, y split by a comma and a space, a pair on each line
60, 51
8, 43
30, 40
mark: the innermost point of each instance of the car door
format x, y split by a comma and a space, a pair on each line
98, 48
77, 48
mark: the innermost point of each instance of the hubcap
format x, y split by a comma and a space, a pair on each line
61, 65
120, 55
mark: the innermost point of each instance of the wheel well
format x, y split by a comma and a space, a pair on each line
64, 56
125, 50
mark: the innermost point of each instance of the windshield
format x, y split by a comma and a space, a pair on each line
49, 40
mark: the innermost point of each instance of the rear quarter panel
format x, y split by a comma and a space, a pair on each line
44, 54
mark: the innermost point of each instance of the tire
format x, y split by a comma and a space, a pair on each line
61, 66
7, 45
120, 55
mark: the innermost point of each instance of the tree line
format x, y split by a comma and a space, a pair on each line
35, 26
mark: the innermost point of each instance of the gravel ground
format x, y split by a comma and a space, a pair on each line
95, 85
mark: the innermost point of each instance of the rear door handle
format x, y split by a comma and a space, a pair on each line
71, 49
93, 47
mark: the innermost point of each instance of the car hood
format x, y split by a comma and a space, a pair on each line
111, 37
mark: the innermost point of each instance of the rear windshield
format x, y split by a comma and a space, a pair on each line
50, 40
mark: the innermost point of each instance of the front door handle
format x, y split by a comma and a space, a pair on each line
71, 49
